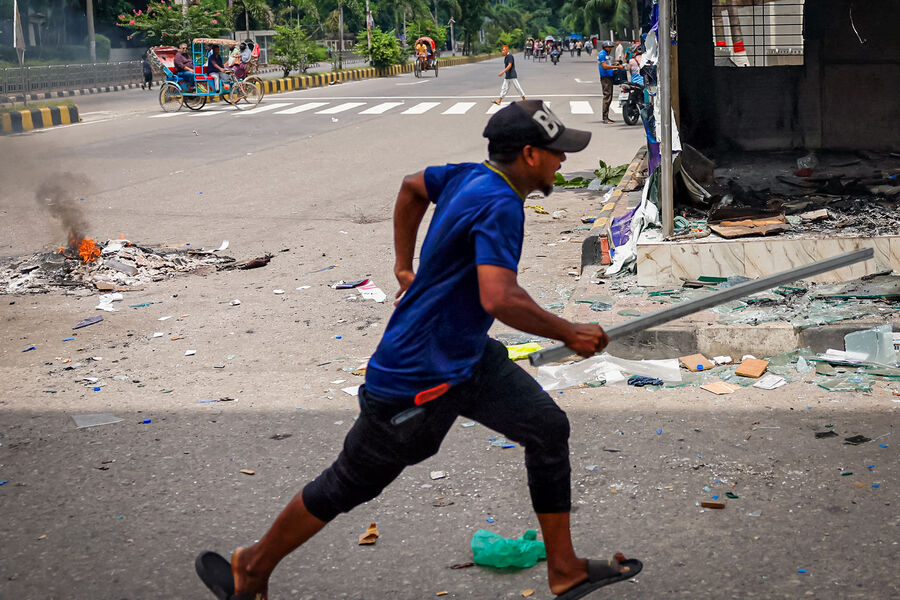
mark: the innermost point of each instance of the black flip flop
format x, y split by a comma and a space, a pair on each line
601, 573
215, 572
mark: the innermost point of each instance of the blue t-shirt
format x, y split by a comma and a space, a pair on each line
603, 57
439, 329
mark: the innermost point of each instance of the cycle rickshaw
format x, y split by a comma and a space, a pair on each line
176, 91
427, 61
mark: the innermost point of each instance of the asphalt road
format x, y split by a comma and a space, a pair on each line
120, 510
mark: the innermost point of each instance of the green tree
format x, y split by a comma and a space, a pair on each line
427, 28
164, 23
258, 9
293, 49
385, 49
470, 20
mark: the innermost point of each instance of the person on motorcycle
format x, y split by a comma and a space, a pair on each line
634, 67
554, 53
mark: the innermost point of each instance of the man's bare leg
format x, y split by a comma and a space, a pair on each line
252, 566
564, 569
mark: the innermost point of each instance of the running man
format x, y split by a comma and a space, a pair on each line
417, 384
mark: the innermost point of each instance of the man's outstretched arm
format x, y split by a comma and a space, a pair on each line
503, 298
412, 202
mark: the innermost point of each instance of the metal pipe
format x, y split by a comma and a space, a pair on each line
665, 117
560, 351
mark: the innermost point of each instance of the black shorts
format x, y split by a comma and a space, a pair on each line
500, 395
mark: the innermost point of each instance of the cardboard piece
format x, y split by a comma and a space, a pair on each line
752, 367
719, 387
691, 362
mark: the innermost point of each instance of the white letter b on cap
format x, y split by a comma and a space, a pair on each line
548, 121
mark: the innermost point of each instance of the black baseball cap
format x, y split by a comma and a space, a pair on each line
532, 123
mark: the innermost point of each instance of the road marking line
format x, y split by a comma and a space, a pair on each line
380, 108
206, 113
460, 108
260, 109
414, 82
495, 107
302, 108
166, 115
580, 107
420, 108
339, 108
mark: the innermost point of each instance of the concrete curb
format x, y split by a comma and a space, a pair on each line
302, 82
595, 248
67, 93
38, 118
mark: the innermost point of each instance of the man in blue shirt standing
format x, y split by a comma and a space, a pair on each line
607, 71
436, 362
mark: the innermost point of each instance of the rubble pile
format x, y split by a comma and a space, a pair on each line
826, 193
118, 265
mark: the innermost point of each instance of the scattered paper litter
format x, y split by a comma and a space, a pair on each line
438, 474
158, 334
235, 302
190, 352
370, 291
722, 360
304, 287
106, 301
770, 382
352, 390
223, 246
277, 291
166, 318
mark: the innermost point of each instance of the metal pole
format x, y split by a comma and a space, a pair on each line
560, 351
369, 25
452, 39
665, 117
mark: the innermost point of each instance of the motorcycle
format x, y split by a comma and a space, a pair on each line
631, 99
554, 56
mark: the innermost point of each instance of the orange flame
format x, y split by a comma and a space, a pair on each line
88, 250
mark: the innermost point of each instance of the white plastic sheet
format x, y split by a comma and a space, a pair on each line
605, 367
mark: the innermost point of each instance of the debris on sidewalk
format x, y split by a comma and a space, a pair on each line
370, 536
370, 291
719, 388
94, 420
522, 351
88, 321
696, 362
752, 367
493, 550
605, 368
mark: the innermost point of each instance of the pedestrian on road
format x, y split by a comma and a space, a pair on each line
509, 70
417, 384
147, 68
607, 72
578, 46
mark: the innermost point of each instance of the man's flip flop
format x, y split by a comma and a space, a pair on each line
601, 573
215, 572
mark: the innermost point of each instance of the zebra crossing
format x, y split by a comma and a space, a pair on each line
574, 107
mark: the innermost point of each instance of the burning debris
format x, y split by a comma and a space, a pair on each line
114, 265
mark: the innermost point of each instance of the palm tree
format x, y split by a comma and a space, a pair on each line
258, 9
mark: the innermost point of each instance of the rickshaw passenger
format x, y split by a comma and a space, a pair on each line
233, 58
184, 64
421, 49
215, 68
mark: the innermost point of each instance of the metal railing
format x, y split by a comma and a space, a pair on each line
49, 78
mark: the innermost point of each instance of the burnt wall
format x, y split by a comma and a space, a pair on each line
845, 96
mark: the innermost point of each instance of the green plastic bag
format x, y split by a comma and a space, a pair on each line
493, 550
